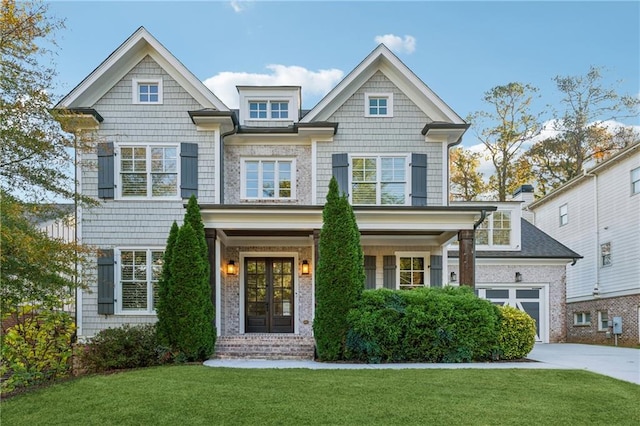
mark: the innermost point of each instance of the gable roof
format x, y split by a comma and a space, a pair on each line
140, 44
535, 244
382, 59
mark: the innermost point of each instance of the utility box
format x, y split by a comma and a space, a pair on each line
617, 325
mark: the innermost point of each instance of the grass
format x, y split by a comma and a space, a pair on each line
191, 395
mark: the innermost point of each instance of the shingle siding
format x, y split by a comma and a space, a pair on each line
369, 135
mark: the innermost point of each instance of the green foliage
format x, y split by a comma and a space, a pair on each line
164, 309
193, 333
517, 333
467, 182
422, 325
339, 277
37, 348
121, 348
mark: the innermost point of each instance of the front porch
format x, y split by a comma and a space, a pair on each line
265, 346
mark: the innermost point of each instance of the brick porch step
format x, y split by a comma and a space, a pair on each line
265, 346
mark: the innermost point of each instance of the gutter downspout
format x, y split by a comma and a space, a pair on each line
221, 172
596, 263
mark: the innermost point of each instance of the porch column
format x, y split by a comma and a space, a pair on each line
210, 236
467, 257
316, 253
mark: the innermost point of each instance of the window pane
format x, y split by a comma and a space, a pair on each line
134, 295
392, 193
134, 184
364, 193
418, 263
482, 236
164, 184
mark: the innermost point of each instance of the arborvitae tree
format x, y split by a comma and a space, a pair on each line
164, 306
339, 277
193, 333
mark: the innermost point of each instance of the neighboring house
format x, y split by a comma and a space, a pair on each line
261, 175
598, 215
519, 265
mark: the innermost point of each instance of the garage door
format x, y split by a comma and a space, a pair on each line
528, 299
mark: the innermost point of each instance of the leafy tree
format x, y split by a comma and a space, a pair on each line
467, 182
339, 277
193, 334
503, 131
584, 136
164, 308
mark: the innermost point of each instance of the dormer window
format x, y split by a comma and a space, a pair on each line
275, 110
378, 105
147, 91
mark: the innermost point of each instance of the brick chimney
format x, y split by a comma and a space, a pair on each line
524, 194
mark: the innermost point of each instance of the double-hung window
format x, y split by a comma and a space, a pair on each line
379, 180
412, 270
139, 272
268, 178
495, 230
262, 110
605, 254
564, 214
635, 181
148, 171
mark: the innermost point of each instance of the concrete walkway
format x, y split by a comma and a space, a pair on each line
620, 363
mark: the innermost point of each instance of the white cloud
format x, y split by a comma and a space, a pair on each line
314, 83
397, 43
238, 5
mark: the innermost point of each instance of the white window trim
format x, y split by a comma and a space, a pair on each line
600, 327
636, 170
269, 102
136, 96
118, 178
243, 182
378, 157
513, 233
118, 280
388, 95
427, 265
579, 318
566, 214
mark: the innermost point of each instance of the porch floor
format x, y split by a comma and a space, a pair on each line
265, 346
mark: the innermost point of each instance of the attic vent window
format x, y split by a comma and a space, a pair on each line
378, 105
147, 91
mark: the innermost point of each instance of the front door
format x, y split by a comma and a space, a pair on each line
269, 295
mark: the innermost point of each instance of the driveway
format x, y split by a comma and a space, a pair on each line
616, 362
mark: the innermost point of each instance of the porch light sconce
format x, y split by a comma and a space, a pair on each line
305, 267
454, 277
231, 268
518, 277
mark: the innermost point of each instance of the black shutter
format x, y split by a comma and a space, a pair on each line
188, 169
340, 165
370, 272
418, 179
389, 272
105, 282
436, 271
106, 170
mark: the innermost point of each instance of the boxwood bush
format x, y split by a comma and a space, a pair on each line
121, 348
517, 333
422, 325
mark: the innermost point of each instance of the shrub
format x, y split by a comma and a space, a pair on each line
339, 277
517, 333
422, 325
121, 348
37, 348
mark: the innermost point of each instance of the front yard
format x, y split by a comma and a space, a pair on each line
194, 394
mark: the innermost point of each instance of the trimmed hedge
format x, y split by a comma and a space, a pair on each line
423, 325
517, 333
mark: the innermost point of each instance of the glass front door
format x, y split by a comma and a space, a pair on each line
269, 295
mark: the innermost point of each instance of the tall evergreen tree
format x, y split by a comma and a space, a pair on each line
340, 274
193, 333
164, 306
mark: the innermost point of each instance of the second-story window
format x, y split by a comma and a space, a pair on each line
378, 105
148, 91
379, 180
268, 178
148, 171
262, 110
495, 230
635, 181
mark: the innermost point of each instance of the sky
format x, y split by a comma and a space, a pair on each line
459, 49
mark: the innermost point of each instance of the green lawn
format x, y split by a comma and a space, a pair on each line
187, 395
